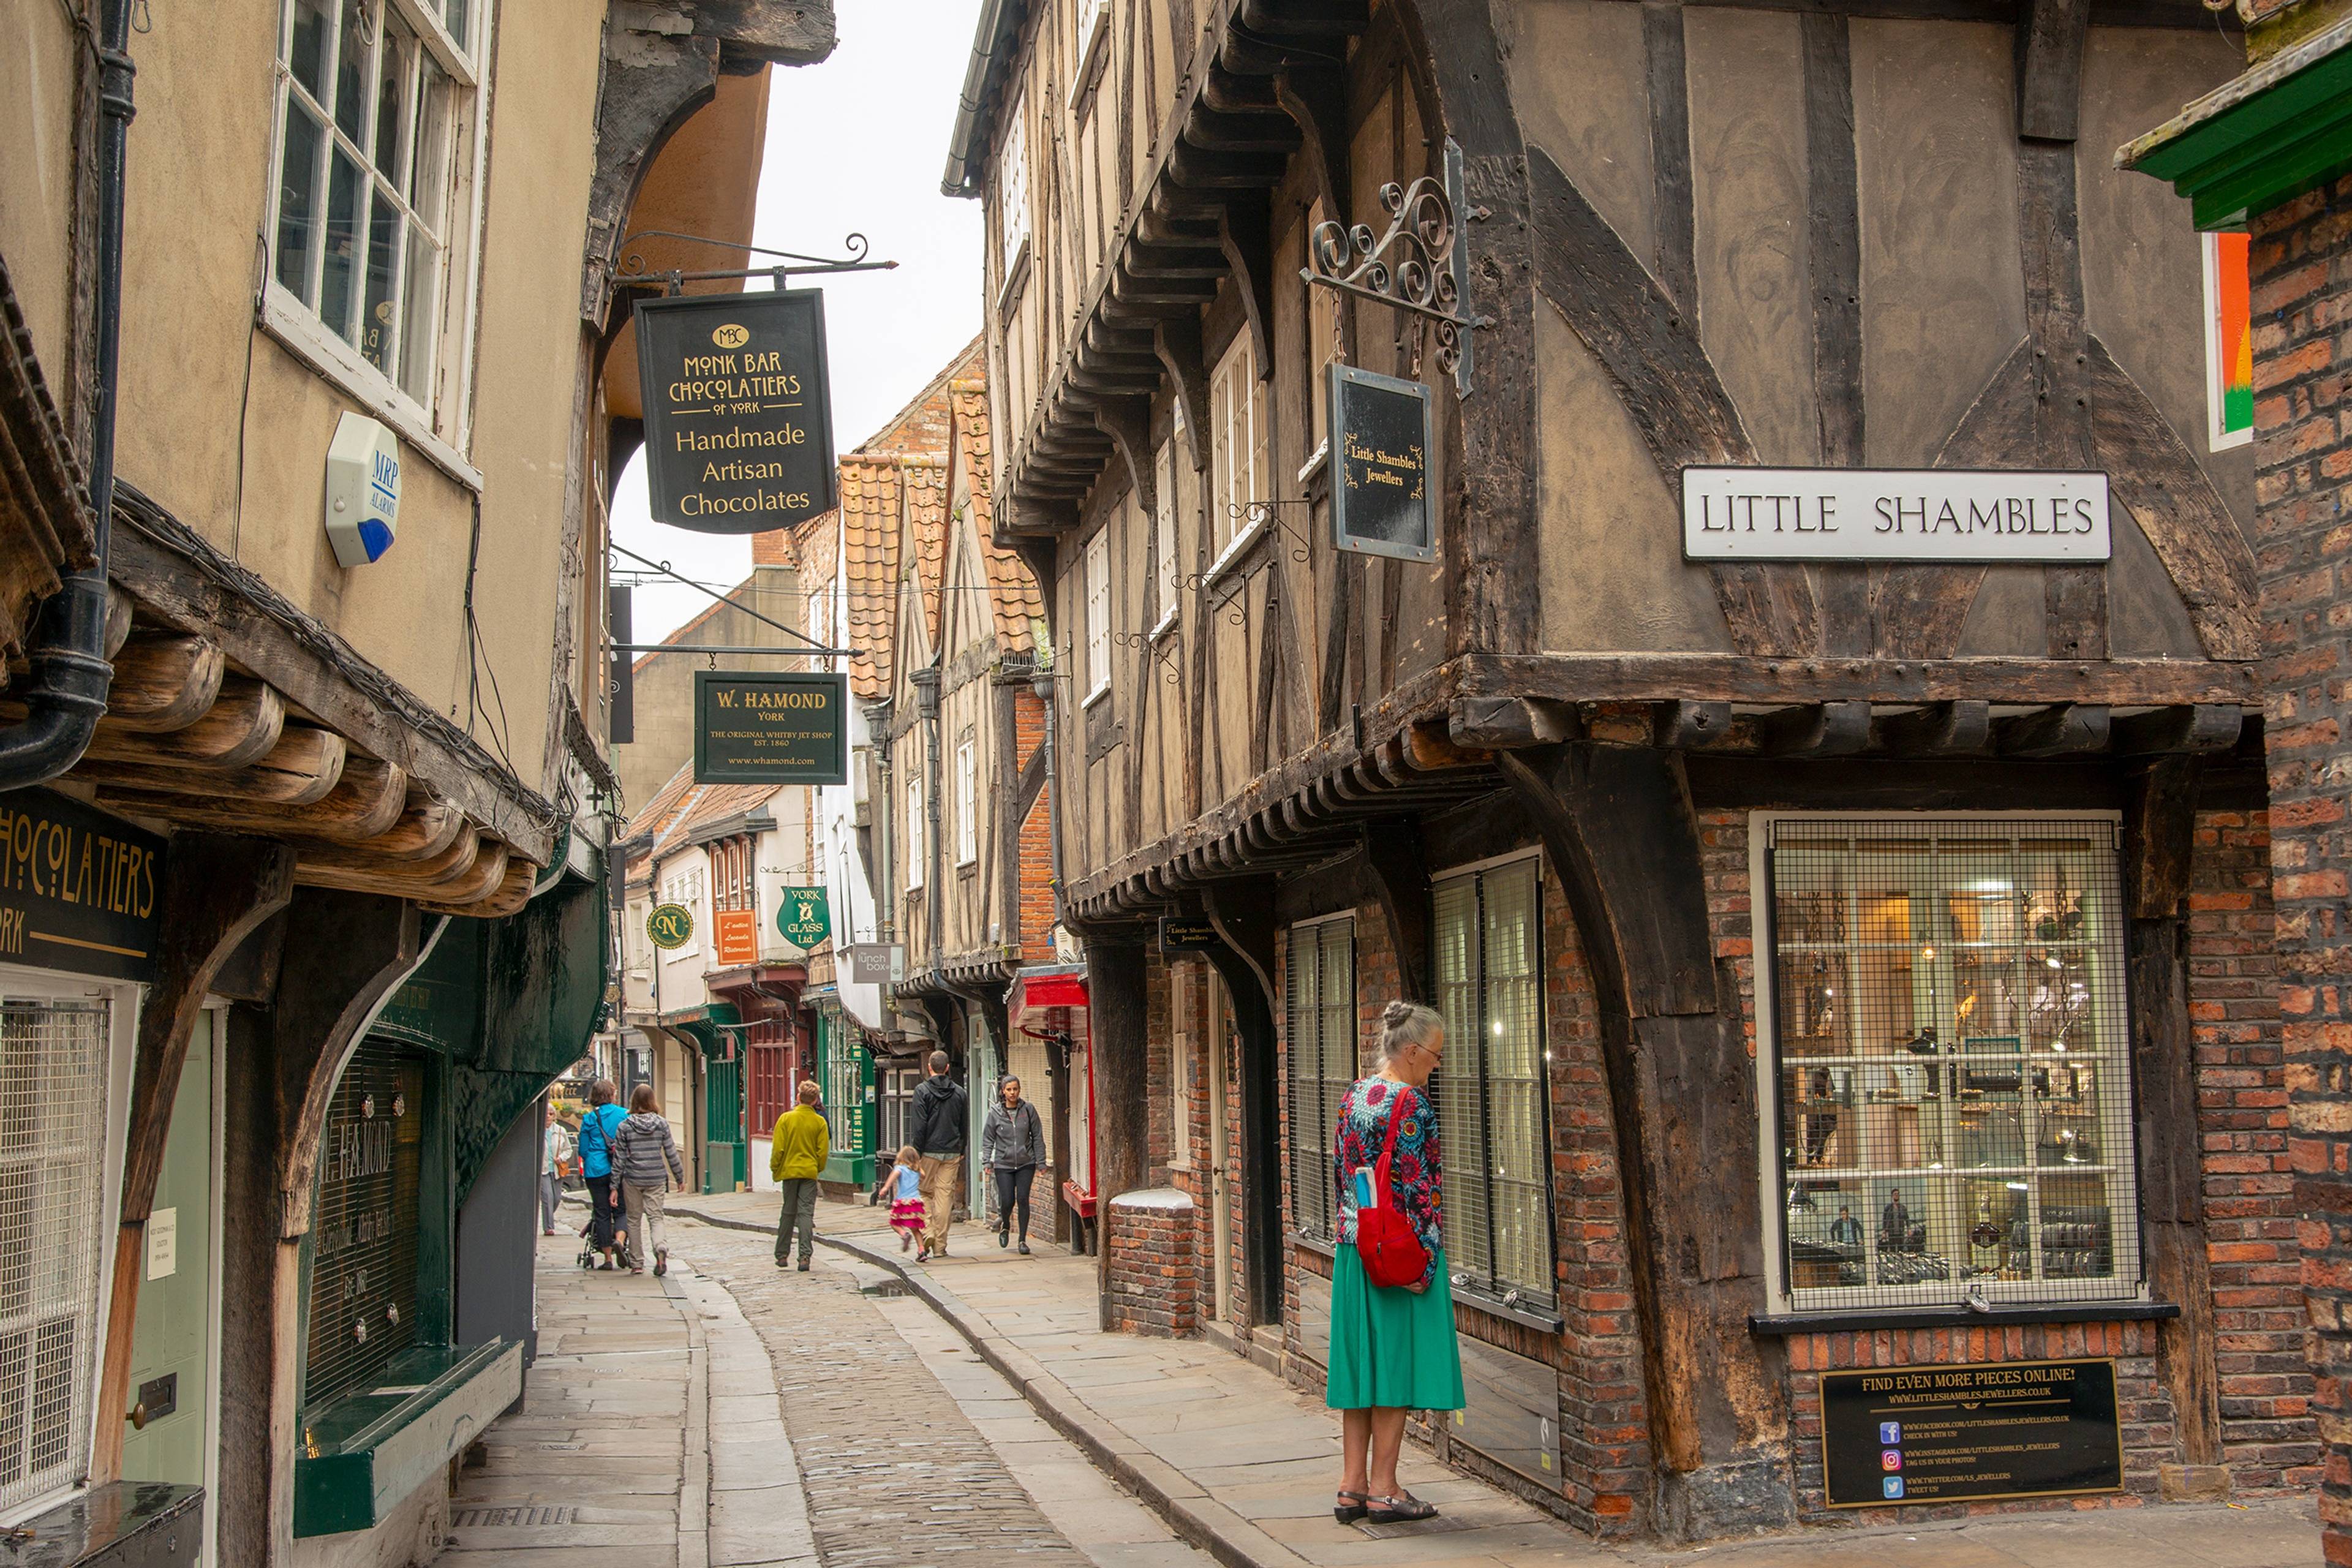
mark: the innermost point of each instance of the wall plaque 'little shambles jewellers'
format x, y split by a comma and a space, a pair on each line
758, 728
738, 418
1894, 514
1380, 465
1945, 1434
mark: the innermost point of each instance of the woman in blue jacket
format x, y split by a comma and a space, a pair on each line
596, 1131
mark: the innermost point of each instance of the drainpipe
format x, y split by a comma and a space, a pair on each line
70, 675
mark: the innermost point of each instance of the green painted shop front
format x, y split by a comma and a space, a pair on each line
467, 1044
717, 1030
843, 1069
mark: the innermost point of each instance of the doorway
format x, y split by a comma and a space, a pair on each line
1219, 1174
172, 1344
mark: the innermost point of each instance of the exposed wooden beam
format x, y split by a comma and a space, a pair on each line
1938, 729
1674, 677
239, 729
1690, 726
2064, 729
1818, 729
306, 763
2201, 728
163, 680
366, 801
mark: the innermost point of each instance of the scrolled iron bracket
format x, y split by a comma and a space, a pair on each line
1415, 266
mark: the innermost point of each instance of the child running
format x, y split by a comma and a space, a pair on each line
905, 1182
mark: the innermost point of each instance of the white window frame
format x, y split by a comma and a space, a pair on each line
1238, 450
1163, 536
1098, 615
1183, 1069
1089, 27
967, 766
443, 439
122, 1006
913, 837
1322, 1225
1011, 186
2125, 1284
1513, 1291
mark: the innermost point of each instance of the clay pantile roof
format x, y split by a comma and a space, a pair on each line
658, 813
1012, 593
926, 481
869, 543
710, 804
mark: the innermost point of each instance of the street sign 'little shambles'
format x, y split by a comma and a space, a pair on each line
1894, 514
761, 728
739, 420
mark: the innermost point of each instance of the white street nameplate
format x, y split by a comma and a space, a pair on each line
1894, 514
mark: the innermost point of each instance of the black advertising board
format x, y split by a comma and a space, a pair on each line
738, 418
1380, 497
753, 727
1180, 935
1948, 1434
80, 890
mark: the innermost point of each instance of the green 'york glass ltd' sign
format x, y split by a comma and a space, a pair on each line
804, 916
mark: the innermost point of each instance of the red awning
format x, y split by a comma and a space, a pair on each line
1052, 990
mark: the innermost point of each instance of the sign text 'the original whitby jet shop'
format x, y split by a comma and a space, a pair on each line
739, 411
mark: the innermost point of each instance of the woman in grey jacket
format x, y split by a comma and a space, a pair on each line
641, 1150
1012, 1147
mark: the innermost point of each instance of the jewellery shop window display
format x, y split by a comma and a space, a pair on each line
378, 1232
1947, 1093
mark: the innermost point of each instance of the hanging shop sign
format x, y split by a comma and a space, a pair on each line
1950, 1434
804, 917
877, 962
80, 890
362, 489
739, 419
670, 926
752, 727
737, 934
1178, 935
1381, 439
1895, 514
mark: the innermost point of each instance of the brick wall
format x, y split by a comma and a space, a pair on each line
2299, 262
1034, 920
1154, 1287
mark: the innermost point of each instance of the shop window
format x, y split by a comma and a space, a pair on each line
768, 1087
845, 1089
1184, 1072
364, 1305
377, 115
1320, 998
1490, 1087
53, 1078
1237, 426
1948, 1083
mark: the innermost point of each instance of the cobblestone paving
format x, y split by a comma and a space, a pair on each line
895, 1474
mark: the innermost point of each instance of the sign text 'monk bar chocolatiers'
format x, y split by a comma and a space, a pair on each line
739, 421
80, 890
1934, 1433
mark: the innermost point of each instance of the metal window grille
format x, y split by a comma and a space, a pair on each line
1489, 1089
53, 1076
1320, 986
1948, 1083
845, 1087
363, 1284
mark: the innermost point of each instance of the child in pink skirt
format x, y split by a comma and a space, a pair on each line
905, 1182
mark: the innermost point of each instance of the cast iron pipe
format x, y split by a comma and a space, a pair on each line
70, 675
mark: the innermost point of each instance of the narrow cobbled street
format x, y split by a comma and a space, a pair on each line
735, 1414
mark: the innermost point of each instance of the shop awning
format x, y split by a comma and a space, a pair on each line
1036, 990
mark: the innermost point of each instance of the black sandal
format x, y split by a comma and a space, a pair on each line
1347, 1512
1403, 1509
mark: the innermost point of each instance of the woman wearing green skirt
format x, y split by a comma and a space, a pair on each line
1392, 1349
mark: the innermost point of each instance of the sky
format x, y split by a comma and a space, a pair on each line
856, 143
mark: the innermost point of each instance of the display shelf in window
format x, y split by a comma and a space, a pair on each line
1948, 1085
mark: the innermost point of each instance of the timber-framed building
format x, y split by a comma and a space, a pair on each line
1846, 965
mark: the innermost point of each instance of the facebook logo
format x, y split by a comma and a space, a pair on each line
1892, 1486
1890, 1433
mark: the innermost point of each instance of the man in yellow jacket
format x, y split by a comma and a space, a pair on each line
794, 1160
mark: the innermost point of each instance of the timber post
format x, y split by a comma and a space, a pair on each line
2159, 823
344, 953
1241, 910
218, 890
1618, 829
1119, 1016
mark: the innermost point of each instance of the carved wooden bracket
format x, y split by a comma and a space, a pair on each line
662, 62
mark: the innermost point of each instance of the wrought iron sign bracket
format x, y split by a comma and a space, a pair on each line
633, 268
1416, 267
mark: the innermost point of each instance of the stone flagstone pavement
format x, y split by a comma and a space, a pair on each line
1242, 1464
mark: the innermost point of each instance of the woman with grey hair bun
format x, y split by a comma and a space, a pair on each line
1392, 1349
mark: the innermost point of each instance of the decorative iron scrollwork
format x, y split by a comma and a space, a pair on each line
1415, 266
633, 266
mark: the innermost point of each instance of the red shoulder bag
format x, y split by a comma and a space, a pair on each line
1391, 1253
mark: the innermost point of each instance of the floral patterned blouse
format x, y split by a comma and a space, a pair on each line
1415, 1174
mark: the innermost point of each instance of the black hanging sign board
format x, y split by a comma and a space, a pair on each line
755, 727
738, 416
1380, 494
80, 890
1178, 934
1934, 1434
